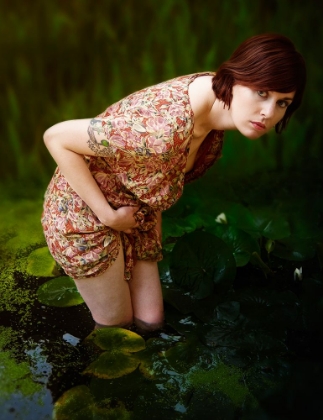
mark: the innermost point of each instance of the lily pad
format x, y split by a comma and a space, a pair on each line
176, 227
184, 355
228, 311
241, 243
118, 360
152, 361
79, 404
40, 263
259, 221
115, 338
269, 309
201, 263
60, 292
295, 249
112, 364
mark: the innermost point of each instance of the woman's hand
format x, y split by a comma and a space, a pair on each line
123, 219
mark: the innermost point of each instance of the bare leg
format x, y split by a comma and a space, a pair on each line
108, 295
146, 296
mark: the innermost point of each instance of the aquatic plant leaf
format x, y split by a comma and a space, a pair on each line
184, 355
201, 263
118, 360
152, 363
158, 401
242, 244
174, 227
294, 249
40, 263
234, 335
112, 364
78, 403
272, 225
60, 292
269, 309
184, 325
228, 311
117, 339
125, 388
257, 260
204, 401
75, 403
182, 302
259, 221
266, 298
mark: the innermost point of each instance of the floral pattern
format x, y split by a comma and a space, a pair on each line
141, 162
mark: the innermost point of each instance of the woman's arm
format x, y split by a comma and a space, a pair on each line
68, 142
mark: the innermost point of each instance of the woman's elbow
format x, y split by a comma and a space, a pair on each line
52, 134
49, 135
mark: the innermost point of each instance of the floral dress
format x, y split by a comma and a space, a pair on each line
142, 162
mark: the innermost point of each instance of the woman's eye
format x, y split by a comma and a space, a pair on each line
262, 93
283, 104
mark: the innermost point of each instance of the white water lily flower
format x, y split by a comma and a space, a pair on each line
222, 218
298, 274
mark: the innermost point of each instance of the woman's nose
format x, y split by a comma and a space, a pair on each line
268, 110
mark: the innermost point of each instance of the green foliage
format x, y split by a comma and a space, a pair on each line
294, 249
40, 263
201, 263
78, 403
60, 292
246, 327
181, 357
263, 221
254, 220
18, 381
112, 365
227, 379
124, 340
126, 47
258, 327
20, 228
118, 359
13, 376
242, 244
20, 234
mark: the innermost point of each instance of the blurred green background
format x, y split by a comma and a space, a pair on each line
70, 59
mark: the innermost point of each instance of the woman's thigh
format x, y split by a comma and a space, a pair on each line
108, 296
146, 293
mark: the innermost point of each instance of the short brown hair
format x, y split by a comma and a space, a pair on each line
266, 62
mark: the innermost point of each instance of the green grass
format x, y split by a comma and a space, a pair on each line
65, 60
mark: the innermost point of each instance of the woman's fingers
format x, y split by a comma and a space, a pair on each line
125, 218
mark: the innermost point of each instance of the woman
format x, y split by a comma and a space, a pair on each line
117, 172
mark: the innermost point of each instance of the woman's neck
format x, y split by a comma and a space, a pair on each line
209, 112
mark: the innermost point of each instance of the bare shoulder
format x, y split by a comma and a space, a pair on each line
201, 95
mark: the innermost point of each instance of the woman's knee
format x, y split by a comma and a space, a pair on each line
123, 324
144, 326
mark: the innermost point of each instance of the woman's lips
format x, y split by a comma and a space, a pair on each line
258, 125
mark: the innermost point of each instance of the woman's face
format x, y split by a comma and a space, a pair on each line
255, 112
